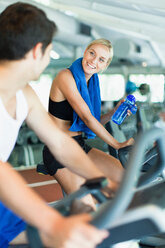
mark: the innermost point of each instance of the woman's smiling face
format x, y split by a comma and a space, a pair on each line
95, 59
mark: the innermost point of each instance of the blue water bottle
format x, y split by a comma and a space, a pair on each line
120, 114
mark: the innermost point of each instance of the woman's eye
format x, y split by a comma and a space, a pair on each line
92, 53
101, 60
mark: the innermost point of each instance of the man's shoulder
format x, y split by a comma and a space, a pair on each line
28, 91
30, 96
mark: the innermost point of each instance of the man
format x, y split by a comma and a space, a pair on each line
25, 45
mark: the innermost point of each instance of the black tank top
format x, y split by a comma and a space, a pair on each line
61, 110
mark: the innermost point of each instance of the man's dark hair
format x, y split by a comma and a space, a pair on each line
22, 26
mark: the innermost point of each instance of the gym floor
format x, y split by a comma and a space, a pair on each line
46, 186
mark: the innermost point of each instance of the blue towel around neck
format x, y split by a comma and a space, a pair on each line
90, 94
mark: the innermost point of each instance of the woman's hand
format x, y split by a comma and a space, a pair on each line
128, 142
119, 103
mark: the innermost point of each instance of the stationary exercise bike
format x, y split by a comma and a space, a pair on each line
150, 172
126, 215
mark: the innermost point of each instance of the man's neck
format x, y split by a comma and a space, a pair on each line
13, 77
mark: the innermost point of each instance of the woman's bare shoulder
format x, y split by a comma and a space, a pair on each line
63, 77
64, 73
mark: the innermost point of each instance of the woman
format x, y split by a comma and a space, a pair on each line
75, 105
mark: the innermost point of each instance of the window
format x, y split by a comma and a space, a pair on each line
112, 87
156, 84
42, 88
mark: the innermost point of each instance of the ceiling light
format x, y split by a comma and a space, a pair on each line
144, 64
54, 55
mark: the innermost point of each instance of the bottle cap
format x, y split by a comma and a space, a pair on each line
131, 99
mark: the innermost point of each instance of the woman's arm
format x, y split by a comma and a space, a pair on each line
106, 117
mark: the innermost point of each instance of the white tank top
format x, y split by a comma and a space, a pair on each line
9, 127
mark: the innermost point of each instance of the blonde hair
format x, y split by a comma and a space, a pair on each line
106, 43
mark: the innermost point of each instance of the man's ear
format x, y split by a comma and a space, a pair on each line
37, 51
